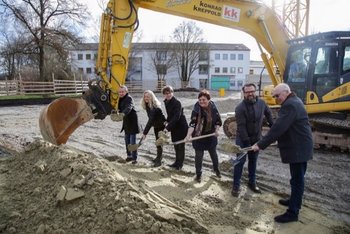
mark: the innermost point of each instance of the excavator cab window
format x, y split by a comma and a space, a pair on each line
326, 75
297, 70
346, 60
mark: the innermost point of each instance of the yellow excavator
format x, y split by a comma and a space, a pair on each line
316, 67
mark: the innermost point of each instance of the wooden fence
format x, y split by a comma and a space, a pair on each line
59, 87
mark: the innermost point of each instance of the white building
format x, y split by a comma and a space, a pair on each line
221, 66
258, 74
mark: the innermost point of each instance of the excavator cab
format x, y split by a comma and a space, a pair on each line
318, 71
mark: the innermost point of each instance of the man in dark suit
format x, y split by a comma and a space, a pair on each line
293, 133
250, 114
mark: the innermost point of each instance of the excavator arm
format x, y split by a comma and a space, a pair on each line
59, 119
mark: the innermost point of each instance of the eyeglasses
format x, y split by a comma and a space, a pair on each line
250, 91
277, 95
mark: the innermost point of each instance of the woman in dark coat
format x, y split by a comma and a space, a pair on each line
130, 121
205, 119
156, 119
176, 124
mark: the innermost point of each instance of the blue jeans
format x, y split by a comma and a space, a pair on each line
297, 173
238, 169
130, 139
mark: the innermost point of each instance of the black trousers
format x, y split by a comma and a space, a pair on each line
179, 154
297, 181
199, 160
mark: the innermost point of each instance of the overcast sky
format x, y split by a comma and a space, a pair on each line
325, 15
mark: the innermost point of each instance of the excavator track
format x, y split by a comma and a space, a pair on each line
328, 133
331, 133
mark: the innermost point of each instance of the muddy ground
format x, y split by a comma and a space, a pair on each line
111, 196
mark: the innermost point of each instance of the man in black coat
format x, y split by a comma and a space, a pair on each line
249, 114
176, 124
130, 122
293, 133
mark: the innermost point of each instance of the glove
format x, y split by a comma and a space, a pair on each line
117, 117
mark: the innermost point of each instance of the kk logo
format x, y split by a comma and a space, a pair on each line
231, 13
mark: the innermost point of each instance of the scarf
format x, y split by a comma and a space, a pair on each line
201, 119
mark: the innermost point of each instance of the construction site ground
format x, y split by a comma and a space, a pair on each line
86, 186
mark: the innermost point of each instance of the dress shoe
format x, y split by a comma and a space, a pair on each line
134, 162
254, 187
218, 174
284, 202
235, 191
173, 165
128, 159
286, 218
198, 178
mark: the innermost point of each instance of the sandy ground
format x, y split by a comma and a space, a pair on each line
120, 197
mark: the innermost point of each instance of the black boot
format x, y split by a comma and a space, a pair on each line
158, 160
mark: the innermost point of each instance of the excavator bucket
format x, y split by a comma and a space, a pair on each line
60, 118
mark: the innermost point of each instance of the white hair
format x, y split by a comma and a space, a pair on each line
282, 87
124, 87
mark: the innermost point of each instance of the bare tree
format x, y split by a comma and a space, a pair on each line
162, 60
189, 42
12, 50
51, 24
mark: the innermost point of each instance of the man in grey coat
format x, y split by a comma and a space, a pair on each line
293, 133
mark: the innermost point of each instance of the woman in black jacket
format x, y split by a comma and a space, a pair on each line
176, 124
156, 119
130, 121
205, 119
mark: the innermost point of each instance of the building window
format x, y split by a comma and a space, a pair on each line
239, 83
217, 70
240, 70
81, 70
232, 56
88, 56
161, 55
217, 56
203, 55
251, 71
240, 56
232, 70
203, 83
225, 56
203, 69
224, 70
80, 56
88, 70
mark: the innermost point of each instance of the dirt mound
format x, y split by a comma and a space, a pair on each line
49, 189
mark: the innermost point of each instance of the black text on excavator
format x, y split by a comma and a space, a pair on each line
316, 67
